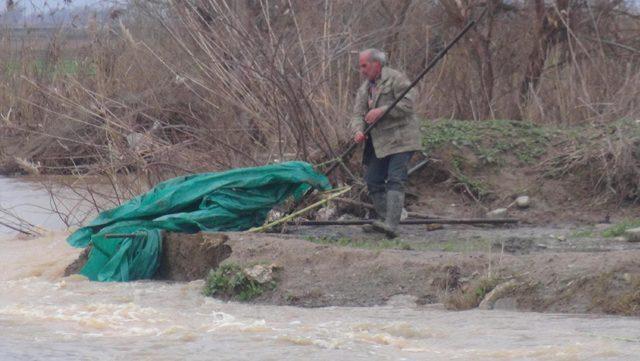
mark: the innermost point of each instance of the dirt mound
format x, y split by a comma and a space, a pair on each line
188, 257
185, 257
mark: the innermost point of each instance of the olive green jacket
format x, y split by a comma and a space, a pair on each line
399, 131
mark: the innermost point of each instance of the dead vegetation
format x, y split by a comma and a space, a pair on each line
470, 295
168, 88
626, 288
606, 158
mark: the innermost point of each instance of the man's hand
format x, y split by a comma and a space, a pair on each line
373, 115
359, 137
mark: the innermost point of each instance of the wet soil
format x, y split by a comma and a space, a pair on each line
188, 257
546, 269
550, 269
185, 257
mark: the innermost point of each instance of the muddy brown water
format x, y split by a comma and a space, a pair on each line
29, 200
44, 316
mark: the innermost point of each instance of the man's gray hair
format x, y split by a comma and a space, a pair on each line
376, 55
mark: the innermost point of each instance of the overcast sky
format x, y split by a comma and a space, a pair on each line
47, 5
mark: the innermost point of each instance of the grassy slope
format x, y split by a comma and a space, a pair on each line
605, 158
490, 141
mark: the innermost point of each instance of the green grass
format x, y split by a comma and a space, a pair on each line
583, 233
469, 147
618, 229
365, 244
476, 186
489, 140
229, 282
484, 286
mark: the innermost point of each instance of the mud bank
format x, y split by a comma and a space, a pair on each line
491, 268
314, 275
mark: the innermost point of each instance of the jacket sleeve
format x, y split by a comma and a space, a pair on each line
405, 105
360, 108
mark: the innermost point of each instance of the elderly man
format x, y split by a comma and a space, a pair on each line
390, 144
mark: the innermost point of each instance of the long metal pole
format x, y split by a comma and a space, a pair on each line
410, 221
433, 62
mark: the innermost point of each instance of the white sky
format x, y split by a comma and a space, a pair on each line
47, 5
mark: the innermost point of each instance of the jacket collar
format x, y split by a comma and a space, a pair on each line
380, 82
382, 77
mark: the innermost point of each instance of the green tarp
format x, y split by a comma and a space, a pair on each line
234, 200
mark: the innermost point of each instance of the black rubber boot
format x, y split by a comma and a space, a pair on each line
379, 200
395, 202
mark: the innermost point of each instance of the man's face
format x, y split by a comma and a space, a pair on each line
369, 69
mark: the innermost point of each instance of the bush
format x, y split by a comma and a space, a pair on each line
606, 158
229, 282
468, 298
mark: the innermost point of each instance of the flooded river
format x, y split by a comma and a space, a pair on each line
28, 200
44, 316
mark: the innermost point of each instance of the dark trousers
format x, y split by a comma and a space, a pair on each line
388, 173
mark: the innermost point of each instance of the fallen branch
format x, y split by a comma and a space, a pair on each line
18, 229
18, 223
334, 194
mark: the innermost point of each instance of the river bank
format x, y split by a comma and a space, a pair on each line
398, 286
534, 272
556, 270
569, 268
46, 316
